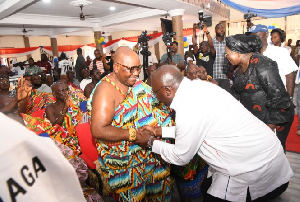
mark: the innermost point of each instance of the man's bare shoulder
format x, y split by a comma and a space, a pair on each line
104, 88
51, 106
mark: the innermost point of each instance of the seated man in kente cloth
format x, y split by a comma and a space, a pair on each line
120, 104
61, 118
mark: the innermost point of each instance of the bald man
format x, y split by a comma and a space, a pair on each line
192, 72
205, 77
56, 111
119, 105
243, 153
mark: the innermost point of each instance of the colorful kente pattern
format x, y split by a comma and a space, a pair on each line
76, 94
64, 134
38, 100
190, 176
133, 173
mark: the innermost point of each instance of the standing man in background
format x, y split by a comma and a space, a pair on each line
99, 62
64, 65
44, 64
176, 59
221, 65
79, 64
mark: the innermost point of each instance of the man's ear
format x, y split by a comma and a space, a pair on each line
168, 90
116, 68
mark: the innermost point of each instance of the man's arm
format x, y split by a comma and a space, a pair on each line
210, 41
103, 112
187, 128
290, 83
51, 116
88, 90
10, 107
181, 65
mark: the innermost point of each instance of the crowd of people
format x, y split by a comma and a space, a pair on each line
213, 122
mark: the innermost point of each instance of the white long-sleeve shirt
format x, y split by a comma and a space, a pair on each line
240, 149
285, 62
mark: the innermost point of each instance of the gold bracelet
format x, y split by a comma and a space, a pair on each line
132, 134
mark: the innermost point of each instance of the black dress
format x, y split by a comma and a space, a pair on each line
261, 90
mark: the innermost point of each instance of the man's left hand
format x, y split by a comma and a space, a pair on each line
142, 138
204, 28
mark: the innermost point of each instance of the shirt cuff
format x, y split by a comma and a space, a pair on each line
168, 132
157, 144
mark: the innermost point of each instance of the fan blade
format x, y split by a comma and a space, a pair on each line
90, 15
29, 30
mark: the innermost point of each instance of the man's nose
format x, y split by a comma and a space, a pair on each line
136, 72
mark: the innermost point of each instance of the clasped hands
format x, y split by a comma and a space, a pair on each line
143, 134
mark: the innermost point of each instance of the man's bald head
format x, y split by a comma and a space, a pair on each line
59, 90
192, 71
126, 65
165, 82
55, 86
123, 53
167, 75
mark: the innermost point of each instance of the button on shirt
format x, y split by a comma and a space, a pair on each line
246, 154
284, 61
177, 58
221, 64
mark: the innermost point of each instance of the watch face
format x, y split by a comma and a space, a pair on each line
134, 136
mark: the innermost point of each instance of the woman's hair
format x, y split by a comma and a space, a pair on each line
280, 32
243, 44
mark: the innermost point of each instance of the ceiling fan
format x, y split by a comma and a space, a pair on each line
25, 31
82, 16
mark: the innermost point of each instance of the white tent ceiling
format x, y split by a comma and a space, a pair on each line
57, 17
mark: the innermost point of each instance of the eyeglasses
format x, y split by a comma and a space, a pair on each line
161, 88
227, 53
131, 69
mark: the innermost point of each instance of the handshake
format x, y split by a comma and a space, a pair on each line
146, 135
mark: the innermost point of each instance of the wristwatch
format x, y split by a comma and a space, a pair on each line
149, 143
132, 134
207, 32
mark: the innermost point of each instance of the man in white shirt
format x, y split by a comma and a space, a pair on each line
64, 65
242, 152
286, 67
32, 167
86, 79
16, 69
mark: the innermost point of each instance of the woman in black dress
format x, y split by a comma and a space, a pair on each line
257, 83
